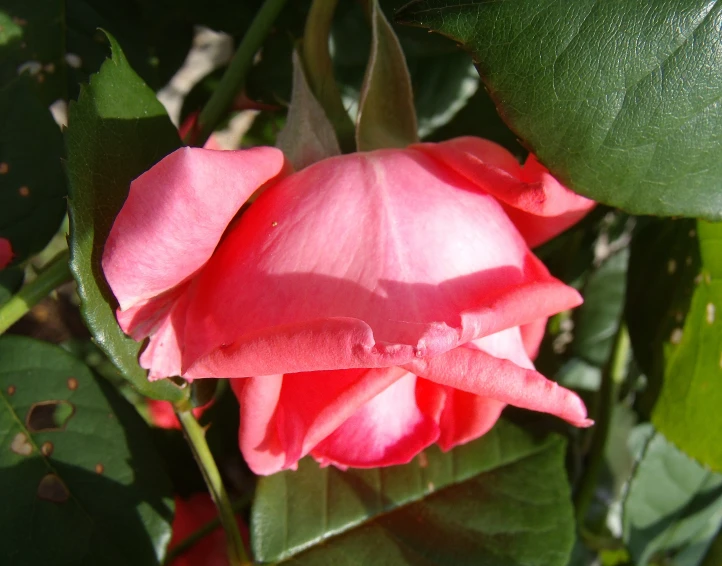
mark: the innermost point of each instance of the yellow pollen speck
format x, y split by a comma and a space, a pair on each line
692, 233
671, 266
431, 486
274, 224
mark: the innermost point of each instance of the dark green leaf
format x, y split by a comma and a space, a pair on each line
116, 131
32, 43
664, 260
32, 182
688, 409
672, 503
83, 484
618, 99
500, 500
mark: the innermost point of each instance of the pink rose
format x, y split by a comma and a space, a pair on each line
6, 253
376, 302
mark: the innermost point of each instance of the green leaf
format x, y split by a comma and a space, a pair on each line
32, 182
625, 114
672, 503
32, 43
83, 484
117, 130
500, 500
688, 409
664, 261
386, 116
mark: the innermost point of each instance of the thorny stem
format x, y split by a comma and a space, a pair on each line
612, 377
55, 274
195, 435
202, 532
234, 78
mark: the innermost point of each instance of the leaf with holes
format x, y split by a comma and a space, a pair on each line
116, 131
32, 182
688, 409
672, 504
88, 486
629, 115
502, 499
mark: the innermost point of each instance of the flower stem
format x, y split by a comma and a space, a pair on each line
196, 437
55, 274
234, 78
612, 376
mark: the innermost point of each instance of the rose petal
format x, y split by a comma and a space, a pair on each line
485, 375
466, 417
536, 202
6, 253
365, 260
388, 429
284, 417
175, 215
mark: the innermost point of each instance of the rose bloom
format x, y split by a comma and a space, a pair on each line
6, 253
366, 306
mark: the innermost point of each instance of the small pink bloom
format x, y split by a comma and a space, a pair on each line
6, 253
190, 515
376, 303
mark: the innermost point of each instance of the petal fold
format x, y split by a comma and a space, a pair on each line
175, 215
284, 417
536, 202
485, 375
